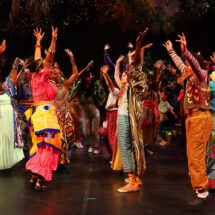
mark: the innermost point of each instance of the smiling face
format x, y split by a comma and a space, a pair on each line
188, 68
56, 75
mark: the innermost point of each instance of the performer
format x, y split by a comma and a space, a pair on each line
62, 104
199, 122
42, 118
132, 84
11, 147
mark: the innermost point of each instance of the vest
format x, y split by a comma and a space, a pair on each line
197, 94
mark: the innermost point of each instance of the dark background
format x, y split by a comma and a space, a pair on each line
85, 26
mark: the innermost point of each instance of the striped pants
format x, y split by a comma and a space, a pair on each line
125, 144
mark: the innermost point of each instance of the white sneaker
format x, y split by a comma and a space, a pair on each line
203, 195
90, 150
96, 151
79, 145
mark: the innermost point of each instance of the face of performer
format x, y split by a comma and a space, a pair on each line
27, 75
56, 75
188, 68
124, 78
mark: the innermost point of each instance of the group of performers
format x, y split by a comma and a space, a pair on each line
43, 112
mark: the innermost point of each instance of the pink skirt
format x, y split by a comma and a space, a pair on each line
44, 161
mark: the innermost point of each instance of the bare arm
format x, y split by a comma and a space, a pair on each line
14, 72
3, 46
39, 36
116, 74
107, 77
143, 53
51, 51
90, 64
74, 75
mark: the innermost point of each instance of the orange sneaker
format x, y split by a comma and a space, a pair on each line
129, 188
138, 180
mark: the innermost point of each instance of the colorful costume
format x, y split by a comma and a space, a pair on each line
65, 120
130, 138
44, 127
11, 147
210, 152
199, 122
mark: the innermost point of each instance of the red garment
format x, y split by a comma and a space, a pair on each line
44, 161
111, 127
42, 88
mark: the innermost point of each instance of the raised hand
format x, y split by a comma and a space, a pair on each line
148, 46
106, 47
69, 52
38, 34
142, 35
168, 45
130, 46
131, 54
105, 69
213, 57
26, 64
54, 33
3, 46
120, 59
183, 41
90, 64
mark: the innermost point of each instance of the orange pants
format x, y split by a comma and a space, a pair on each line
198, 129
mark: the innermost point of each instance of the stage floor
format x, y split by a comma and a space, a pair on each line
90, 187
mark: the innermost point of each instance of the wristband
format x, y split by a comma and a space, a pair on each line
38, 46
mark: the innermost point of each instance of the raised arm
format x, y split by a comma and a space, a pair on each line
200, 73
89, 65
107, 59
116, 74
74, 75
39, 36
137, 55
3, 46
14, 72
142, 55
176, 59
51, 51
25, 65
107, 78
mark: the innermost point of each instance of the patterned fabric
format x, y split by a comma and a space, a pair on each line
42, 88
11, 91
198, 129
136, 92
123, 102
197, 94
67, 126
43, 122
125, 143
210, 155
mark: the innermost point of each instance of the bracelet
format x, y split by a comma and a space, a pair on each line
51, 51
38, 46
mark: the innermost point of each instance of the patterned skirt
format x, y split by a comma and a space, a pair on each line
67, 126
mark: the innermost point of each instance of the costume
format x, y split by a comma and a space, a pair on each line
129, 136
111, 112
65, 120
199, 121
44, 127
89, 100
210, 152
11, 147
